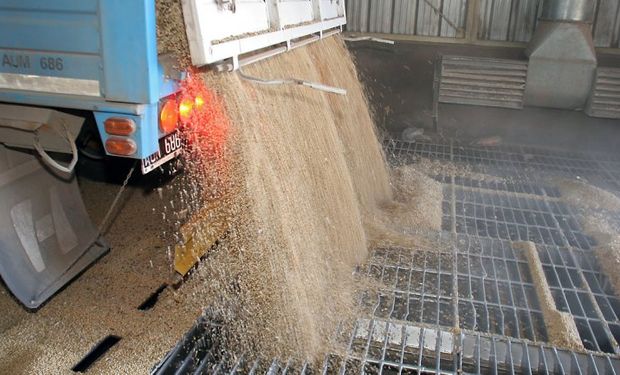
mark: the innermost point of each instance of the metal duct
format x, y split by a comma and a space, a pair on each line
568, 10
562, 57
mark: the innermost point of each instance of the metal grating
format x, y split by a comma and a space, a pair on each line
381, 347
533, 212
515, 163
416, 286
481, 285
482, 81
605, 95
467, 303
516, 218
496, 294
572, 295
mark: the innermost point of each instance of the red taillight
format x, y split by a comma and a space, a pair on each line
121, 146
185, 109
119, 126
198, 101
169, 116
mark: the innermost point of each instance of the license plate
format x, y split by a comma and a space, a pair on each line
169, 147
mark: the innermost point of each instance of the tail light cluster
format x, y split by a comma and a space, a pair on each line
178, 109
172, 110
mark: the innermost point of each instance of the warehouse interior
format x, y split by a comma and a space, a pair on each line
386, 76
455, 212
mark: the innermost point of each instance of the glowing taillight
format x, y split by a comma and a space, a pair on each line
169, 116
198, 101
121, 146
119, 126
185, 109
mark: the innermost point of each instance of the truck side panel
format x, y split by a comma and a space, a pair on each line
129, 58
108, 46
97, 55
40, 43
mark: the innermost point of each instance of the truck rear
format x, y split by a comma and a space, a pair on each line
64, 60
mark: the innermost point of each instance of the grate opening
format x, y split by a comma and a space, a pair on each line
96, 353
151, 300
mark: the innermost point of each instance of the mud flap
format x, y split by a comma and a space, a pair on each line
46, 236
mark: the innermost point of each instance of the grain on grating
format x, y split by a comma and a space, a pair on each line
598, 212
584, 195
561, 328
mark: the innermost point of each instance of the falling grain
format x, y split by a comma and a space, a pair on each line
300, 170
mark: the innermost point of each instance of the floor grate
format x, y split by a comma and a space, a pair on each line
416, 286
496, 293
469, 305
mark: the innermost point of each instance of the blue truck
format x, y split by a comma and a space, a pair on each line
66, 61
98, 56
63, 61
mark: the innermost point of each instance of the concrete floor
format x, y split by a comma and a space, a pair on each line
104, 299
399, 80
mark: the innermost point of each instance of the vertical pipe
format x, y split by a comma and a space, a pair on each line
568, 10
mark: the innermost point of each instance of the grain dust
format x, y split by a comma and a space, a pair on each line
608, 253
433, 168
583, 195
598, 212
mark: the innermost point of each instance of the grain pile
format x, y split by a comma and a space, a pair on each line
608, 253
599, 212
10, 310
583, 195
104, 299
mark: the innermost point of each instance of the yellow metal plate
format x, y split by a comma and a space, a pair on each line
200, 234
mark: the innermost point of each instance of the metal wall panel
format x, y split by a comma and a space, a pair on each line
508, 20
456, 12
410, 17
357, 15
405, 15
496, 16
607, 23
523, 20
428, 20
500, 20
515, 21
381, 16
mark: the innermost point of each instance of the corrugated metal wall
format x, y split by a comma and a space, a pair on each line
411, 17
508, 20
500, 20
515, 21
